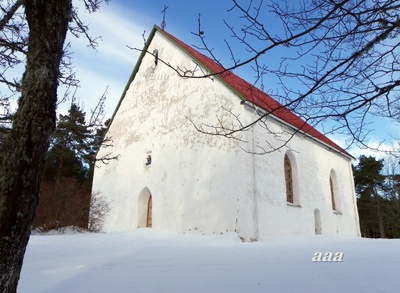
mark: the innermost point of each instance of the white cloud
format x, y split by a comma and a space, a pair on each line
376, 148
112, 62
93, 85
115, 32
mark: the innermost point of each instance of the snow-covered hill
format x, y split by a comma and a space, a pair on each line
148, 260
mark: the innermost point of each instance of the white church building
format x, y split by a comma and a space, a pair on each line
171, 177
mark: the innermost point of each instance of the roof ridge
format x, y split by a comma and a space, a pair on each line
253, 94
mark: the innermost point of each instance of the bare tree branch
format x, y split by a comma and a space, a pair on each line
342, 56
8, 15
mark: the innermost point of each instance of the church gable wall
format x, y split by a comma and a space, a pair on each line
207, 184
198, 182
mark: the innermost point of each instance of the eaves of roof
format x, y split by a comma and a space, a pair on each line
248, 92
244, 90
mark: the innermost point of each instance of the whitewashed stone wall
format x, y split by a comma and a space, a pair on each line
208, 184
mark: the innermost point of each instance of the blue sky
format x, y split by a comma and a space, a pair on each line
121, 23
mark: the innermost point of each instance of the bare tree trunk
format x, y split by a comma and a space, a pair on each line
34, 121
380, 217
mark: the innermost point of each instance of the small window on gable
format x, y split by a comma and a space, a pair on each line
288, 180
155, 54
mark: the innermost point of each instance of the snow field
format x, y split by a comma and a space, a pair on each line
147, 260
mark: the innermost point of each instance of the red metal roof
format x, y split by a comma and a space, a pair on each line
254, 95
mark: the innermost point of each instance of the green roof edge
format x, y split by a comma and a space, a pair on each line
134, 71
139, 62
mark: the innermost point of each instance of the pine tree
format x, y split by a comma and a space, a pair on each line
66, 188
369, 183
378, 197
392, 199
70, 146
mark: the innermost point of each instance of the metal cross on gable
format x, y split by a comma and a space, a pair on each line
164, 24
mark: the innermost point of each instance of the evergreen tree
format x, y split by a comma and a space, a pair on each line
66, 188
63, 162
369, 182
70, 146
378, 198
99, 138
392, 200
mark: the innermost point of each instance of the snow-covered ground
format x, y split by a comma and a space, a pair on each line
148, 260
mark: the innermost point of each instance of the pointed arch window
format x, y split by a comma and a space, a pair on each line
334, 190
149, 220
332, 193
288, 180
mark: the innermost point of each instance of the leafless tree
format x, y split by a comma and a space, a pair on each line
99, 208
31, 32
338, 60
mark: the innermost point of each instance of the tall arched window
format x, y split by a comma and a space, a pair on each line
332, 193
288, 180
149, 220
